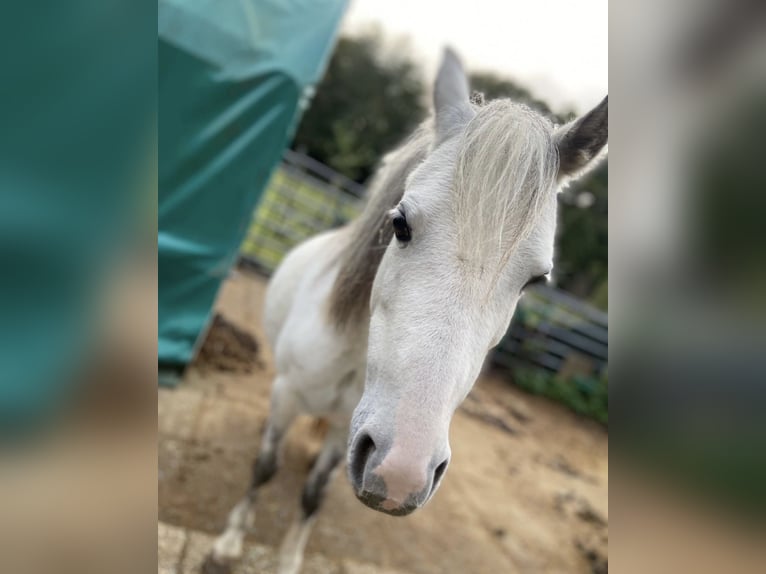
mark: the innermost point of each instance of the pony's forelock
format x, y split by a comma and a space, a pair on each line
505, 176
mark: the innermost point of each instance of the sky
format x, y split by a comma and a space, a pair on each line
556, 48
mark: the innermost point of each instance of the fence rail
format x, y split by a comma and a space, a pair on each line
551, 330
556, 332
303, 198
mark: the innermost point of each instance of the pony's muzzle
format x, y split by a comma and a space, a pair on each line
392, 480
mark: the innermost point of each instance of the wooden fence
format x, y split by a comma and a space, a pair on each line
557, 332
303, 198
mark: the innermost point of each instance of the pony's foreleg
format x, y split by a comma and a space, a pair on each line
228, 546
333, 450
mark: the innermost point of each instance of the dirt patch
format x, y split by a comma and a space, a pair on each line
592, 539
594, 548
490, 414
561, 464
228, 348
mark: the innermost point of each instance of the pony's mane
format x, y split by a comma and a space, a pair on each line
371, 232
506, 168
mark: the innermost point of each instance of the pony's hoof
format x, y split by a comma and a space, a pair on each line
213, 566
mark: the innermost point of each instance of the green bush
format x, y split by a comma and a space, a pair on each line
586, 395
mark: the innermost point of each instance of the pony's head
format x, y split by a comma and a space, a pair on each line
475, 226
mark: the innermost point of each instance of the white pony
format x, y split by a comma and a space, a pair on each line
381, 327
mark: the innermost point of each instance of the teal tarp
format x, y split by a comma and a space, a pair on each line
78, 100
231, 79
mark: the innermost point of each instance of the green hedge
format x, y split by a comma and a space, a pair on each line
583, 394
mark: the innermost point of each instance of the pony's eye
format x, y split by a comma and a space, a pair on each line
401, 228
538, 280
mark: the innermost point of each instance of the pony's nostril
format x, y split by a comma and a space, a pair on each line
439, 472
365, 446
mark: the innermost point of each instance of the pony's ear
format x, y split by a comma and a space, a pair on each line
451, 96
580, 141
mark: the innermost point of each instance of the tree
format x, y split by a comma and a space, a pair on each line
494, 86
582, 254
363, 107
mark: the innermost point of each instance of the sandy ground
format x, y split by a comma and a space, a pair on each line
526, 490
